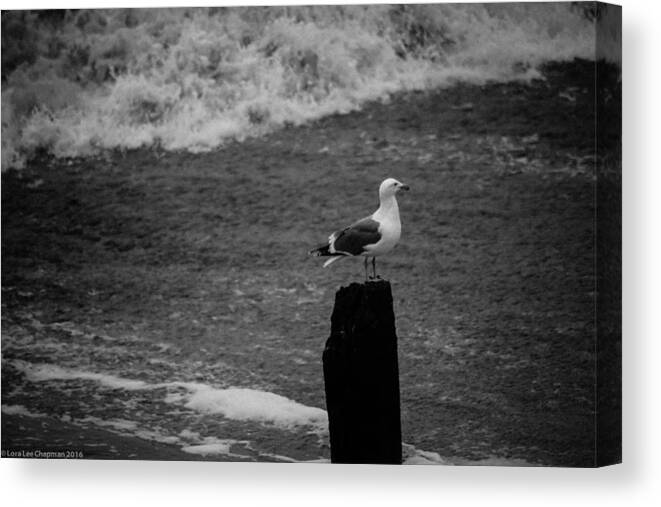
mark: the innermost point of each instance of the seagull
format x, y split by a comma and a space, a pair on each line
372, 236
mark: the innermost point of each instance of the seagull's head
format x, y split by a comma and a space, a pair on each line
390, 187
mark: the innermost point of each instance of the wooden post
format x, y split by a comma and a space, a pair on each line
361, 375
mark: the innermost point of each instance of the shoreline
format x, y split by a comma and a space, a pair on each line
553, 67
199, 252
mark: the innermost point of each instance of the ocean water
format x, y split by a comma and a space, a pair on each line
138, 388
193, 79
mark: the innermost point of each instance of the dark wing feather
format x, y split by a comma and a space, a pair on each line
353, 239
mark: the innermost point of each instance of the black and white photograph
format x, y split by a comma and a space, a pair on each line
379, 234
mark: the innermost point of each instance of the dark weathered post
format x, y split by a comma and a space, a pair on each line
362, 376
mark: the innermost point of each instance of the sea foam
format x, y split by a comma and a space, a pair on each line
192, 79
250, 404
235, 403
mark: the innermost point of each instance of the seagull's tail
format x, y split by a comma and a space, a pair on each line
322, 251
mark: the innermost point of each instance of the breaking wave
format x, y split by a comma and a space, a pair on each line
191, 79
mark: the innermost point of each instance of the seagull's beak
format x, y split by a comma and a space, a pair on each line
404, 187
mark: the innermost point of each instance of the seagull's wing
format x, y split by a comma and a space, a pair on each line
354, 239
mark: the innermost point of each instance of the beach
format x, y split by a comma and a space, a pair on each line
146, 294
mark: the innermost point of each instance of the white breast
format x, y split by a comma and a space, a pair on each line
390, 228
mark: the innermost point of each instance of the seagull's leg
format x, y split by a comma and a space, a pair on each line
366, 268
374, 267
375, 275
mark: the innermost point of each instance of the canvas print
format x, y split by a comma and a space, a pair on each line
381, 234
